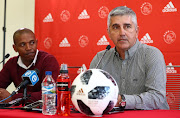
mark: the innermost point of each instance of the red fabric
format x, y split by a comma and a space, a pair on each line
4, 113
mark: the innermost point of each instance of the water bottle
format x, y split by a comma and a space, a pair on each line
63, 92
49, 95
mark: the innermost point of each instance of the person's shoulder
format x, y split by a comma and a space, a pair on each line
108, 51
149, 49
12, 61
44, 54
151, 52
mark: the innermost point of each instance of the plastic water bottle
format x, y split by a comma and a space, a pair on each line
63, 92
49, 95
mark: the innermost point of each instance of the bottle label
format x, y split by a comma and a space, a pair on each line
48, 90
63, 86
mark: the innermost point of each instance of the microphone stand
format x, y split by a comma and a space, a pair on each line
23, 99
4, 29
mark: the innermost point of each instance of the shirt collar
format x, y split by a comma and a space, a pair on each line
133, 49
21, 64
129, 53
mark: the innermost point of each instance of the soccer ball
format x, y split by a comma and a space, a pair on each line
94, 92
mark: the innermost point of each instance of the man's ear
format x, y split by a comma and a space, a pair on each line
108, 33
137, 31
14, 47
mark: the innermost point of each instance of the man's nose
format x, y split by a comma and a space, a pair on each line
28, 47
121, 31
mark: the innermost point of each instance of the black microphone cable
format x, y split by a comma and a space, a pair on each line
107, 48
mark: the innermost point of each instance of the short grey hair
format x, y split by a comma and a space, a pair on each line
121, 11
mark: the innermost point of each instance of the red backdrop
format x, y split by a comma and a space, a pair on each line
75, 30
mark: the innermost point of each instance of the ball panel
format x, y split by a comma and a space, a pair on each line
109, 77
99, 92
85, 77
109, 107
84, 108
73, 87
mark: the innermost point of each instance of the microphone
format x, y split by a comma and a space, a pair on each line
107, 48
5, 57
29, 77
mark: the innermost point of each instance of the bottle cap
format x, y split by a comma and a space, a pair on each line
63, 68
48, 73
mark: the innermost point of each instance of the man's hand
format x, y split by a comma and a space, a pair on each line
118, 100
4, 94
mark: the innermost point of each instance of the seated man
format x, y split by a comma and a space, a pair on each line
138, 69
29, 58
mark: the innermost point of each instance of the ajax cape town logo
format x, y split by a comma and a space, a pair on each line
83, 41
65, 15
169, 37
103, 12
146, 8
170, 98
47, 43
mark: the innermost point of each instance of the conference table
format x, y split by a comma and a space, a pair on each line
17, 113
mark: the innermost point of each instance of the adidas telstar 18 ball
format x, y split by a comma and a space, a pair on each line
94, 92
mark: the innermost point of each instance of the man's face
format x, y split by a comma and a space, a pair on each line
122, 32
26, 46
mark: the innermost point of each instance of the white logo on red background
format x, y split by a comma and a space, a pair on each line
65, 15
169, 8
47, 43
146, 39
48, 18
103, 41
170, 98
64, 43
83, 41
169, 37
146, 8
83, 15
170, 69
103, 12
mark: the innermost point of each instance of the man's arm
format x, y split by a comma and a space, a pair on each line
155, 95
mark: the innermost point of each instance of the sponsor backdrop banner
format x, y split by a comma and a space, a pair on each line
75, 30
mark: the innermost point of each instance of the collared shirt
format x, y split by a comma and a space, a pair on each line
12, 72
21, 64
141, 76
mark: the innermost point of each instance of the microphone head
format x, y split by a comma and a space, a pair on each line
108, 47
7, 55
32, 76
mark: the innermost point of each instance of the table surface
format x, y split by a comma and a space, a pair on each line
17, 113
